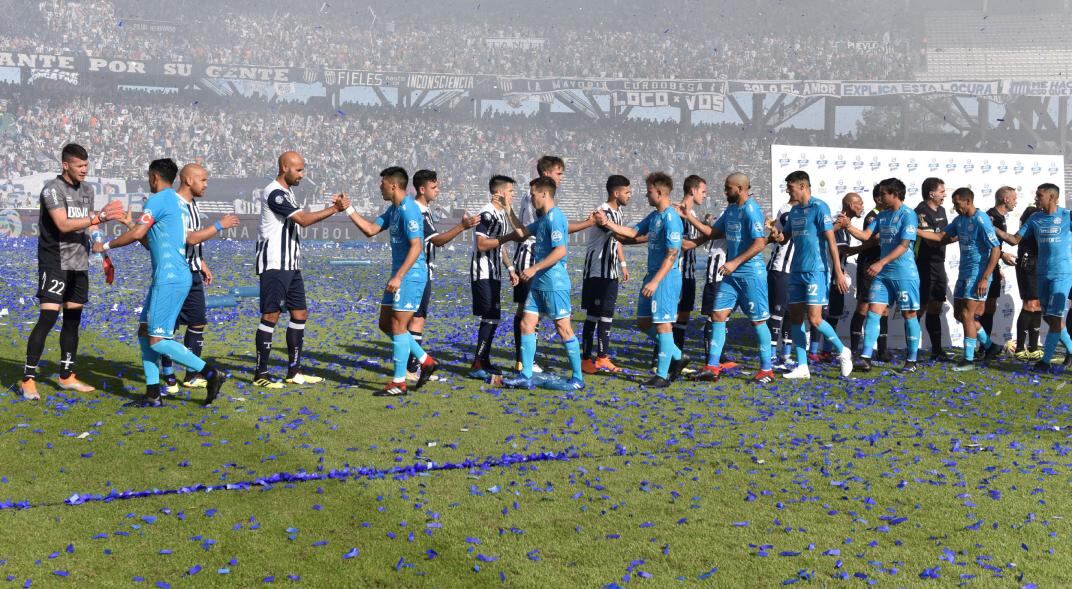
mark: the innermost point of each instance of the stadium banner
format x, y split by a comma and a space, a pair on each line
527, 43
156, 27
103, 66
1038, 88
837, 171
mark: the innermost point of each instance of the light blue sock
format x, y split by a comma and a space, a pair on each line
787, 348
718, 340
400, 354
1051, 346
416, 350
871, 329
765, 349
179, 353
573, 350
912, 336
1067, 341
983, 338
800, 341
831, 336
528, 353
969, 348
667, 351
150, 361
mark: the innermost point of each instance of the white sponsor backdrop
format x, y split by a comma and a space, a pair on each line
835, 172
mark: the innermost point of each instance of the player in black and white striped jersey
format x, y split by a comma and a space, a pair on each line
695, 193
599, 292
716, 258
778, 291
485, 270
278, 264
193, 182
426, 187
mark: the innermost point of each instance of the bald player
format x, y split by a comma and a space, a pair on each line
852, 207
193, 182
279, 266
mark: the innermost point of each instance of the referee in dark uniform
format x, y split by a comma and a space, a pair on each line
930, 261
1004, 203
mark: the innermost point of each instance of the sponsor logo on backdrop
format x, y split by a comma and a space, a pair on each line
985, 167
821, 162
839, 162
933, 165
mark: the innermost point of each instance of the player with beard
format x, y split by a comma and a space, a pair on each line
66, 220
930, 262
1004, 204
599, 290
193, 182
744, 277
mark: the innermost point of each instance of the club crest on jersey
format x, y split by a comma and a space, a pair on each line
556, 236
413, 225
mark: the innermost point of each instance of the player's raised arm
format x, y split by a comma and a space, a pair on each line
369, 228
207, 233
442, 239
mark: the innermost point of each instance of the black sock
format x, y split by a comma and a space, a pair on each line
777, 336
152, 391
167, 367
264, 345
295, 338
1034, 326
856, 331
517, 338
484, 339
813, 337
35, 346
884, 329
707, 339
588, 335
655, 351
987, 321
679, 334
194, 340
72, 320
412, 364
934, 331
1021, 331
603, 337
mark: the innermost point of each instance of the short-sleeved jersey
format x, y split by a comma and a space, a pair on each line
164, 213
65, 251
894, 227
194, 253
1027, 249
930, 255
688, 257
404, 222
523, 257
279, 238
781, 258
976, 237
601, 250
1052, 232
430, 231
494, 223
805, 226
716, 257
549, 232
742, 224
870, 255
663, 229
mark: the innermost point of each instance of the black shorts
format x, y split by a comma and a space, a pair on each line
279, 287
426, 298
599, 296
995, 286
62, 286
778, 293
710, 292
193, 308
863, 283
933, 284
836, 306
1027, 282
487, 303
687, 302
521, 293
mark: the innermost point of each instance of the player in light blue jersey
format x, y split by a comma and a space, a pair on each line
1052, 229
980, 251
815, 257
409, 273
896, 279
161, 229
658, 304
548, 282
744, 282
